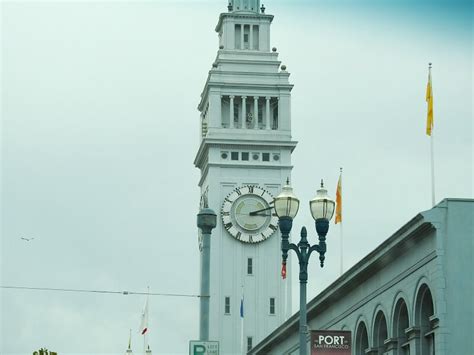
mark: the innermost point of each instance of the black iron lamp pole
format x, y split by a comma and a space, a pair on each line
322, 209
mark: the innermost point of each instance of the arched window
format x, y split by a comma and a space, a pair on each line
361, 339
424, 312
400, 323
380, 332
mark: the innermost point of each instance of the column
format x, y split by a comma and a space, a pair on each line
244, 111
242, 28
255, 112
214, 112
414, 340
251, 37
284, 111
279, 114
231, 122
267, 113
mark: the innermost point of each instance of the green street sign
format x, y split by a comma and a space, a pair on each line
198, 347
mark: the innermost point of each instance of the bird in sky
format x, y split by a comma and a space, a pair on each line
27, 239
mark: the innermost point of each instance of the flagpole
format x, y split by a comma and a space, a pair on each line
432, 170
130, 341
242, 322
339, 220
341, 271
429, 127
145, 338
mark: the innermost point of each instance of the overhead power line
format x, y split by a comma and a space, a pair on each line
98, 291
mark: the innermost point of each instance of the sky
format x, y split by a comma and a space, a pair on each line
100, 129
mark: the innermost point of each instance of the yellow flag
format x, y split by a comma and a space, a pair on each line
429, 100
339, 200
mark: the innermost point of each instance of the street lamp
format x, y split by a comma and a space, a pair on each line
206, 221
322, 209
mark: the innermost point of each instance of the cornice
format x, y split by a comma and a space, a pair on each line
247, 61
261, 86
207, 143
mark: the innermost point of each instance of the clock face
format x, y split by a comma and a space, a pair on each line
247, 214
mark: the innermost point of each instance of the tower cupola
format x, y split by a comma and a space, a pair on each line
245, 26
244, 5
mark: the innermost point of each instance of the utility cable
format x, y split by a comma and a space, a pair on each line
98, 291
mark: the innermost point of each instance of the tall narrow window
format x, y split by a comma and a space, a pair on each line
246, 44
261, 105
238, 34
275, 115
272, 305
249, 343
225, 114
249, 266
227, 305
236, 114
249, 111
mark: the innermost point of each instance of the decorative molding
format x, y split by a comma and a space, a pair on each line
391, 343
434, 321
412, 333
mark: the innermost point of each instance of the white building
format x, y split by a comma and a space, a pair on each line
245, 158
413, 294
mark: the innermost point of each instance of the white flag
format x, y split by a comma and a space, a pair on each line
144, 323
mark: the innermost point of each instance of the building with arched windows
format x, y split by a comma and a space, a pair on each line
413, 294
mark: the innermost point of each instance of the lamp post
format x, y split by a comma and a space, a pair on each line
322, 209
206, 221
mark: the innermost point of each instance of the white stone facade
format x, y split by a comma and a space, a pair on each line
246, 140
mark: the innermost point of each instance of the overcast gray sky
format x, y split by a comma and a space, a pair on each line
100, 129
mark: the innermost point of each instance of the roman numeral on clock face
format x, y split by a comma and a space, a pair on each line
228, 225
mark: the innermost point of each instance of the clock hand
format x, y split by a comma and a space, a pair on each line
253, 213
260, 214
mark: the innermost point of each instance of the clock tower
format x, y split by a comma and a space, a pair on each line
245, 159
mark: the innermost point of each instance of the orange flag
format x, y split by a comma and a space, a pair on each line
429, 101
339, 200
